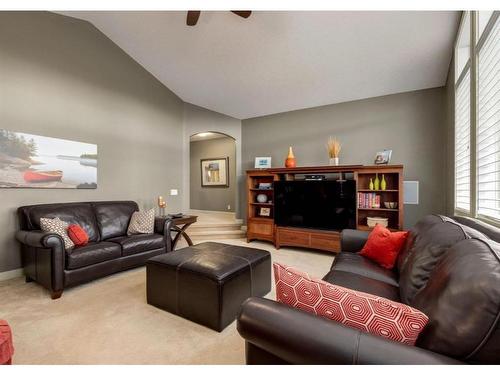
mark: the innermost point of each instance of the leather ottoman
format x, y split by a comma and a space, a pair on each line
208, 282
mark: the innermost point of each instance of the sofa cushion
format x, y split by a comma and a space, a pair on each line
362, 284
72, 213
91, 254
417, 231
427, 250
488, 230
113, 217
355, 263
139, 243
365, 312
462, 300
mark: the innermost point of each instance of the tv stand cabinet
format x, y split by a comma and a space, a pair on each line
311, 238
260, 223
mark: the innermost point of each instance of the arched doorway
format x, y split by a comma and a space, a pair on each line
212, 172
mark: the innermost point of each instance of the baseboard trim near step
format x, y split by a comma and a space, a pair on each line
12, 274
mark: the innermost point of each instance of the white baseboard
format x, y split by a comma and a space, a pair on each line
11, 274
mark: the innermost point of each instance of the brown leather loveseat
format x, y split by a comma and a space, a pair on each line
449, 269
109, 249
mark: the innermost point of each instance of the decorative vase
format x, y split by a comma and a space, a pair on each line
376, 183
334, 161
383, 184
371, 184
290, 161
262, 198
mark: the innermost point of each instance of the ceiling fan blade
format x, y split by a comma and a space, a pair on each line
192, 17
242, 13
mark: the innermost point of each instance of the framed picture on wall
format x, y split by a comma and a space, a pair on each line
36, 161
215, 172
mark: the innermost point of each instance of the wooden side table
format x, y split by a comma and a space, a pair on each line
180, 225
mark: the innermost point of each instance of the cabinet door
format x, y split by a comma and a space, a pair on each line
293, 237
330, 242
265, 229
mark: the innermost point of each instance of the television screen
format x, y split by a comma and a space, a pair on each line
329, 205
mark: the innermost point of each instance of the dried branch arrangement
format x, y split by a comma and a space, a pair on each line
334, 147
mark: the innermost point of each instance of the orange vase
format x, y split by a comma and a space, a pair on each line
290, 161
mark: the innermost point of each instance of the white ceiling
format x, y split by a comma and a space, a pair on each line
281, 61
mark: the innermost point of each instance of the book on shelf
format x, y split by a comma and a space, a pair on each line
368, 200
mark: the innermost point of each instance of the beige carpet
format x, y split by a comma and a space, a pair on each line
109, 322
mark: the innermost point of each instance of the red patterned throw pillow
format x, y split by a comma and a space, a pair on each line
78, 235
365, 312
6, 345
383, 246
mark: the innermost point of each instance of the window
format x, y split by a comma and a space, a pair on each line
477, 117
462, 117
462, 144
488, 124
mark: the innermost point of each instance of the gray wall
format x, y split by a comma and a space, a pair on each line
411, 124
61, 77
212, 198
198, 120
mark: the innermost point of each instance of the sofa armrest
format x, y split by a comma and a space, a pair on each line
163, 226
49, 258
38, 238
298, 337
352, 240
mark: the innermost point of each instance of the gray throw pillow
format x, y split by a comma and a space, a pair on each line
59, 227
142, 222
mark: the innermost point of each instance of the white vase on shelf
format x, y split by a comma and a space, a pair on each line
334, 161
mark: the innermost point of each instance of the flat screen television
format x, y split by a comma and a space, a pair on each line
327, 205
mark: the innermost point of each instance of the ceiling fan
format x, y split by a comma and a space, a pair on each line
193, 15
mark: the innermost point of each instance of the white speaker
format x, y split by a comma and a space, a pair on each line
410, 191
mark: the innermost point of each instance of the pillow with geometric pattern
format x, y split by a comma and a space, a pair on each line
59, 227
142, 222
362, 311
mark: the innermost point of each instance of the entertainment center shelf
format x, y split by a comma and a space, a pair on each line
383, 203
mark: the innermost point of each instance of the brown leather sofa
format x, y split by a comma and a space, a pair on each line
449, 269
109, 250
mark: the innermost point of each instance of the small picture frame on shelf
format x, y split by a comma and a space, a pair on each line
265, 185
265, 211
383, 157
262, 162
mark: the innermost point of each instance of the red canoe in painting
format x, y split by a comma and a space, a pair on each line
42, 176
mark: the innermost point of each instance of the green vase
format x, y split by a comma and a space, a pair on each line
376, 183
371, 184
383, 184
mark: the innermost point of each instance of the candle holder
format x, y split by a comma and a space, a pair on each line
161, 204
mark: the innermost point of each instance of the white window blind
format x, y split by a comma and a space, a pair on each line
488, 126
462, 144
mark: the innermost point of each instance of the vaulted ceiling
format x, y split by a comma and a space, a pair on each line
282, 61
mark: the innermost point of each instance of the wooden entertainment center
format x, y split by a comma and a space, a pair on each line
261, 224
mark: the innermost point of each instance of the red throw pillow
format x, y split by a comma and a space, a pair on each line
365, 312
78, 235
6, 345
383, 246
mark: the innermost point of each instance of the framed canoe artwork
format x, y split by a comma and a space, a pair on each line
35, 161
215, 172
